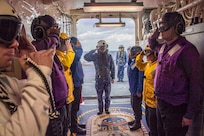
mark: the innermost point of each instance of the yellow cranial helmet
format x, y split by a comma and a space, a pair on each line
148, 51
147, 47
64, 36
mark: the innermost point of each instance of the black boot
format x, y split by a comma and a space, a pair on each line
100, 111
75, 128
107, 111
82, 125
131, 123
135, 126
78, 130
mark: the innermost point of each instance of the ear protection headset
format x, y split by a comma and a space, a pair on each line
174, 19
179, 23
180, 28
73, 41
38, 30
134, 51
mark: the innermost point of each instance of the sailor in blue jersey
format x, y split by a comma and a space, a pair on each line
78, 80
136, 87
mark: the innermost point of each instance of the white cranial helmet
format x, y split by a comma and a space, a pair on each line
7, 10
10, 23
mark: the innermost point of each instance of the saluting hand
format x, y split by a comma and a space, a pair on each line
25, 46
155, 34
142, 53
54, 29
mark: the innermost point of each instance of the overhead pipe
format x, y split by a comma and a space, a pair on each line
194, 3
28, 4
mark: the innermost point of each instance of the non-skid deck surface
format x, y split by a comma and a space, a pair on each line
113, 124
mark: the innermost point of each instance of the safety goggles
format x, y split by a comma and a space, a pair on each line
163, 26
10, 29
148, 52
55, 25
102, 48
66, 39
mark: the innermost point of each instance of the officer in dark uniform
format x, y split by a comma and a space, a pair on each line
105, 73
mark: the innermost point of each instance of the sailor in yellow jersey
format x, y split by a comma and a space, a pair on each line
149, 98
66, 55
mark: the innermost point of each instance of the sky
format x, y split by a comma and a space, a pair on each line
89, 34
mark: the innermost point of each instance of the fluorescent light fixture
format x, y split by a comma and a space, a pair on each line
110, 24
113, 7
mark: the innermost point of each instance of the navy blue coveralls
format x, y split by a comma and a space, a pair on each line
104, 74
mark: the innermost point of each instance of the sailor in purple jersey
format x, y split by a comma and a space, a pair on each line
178, 79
